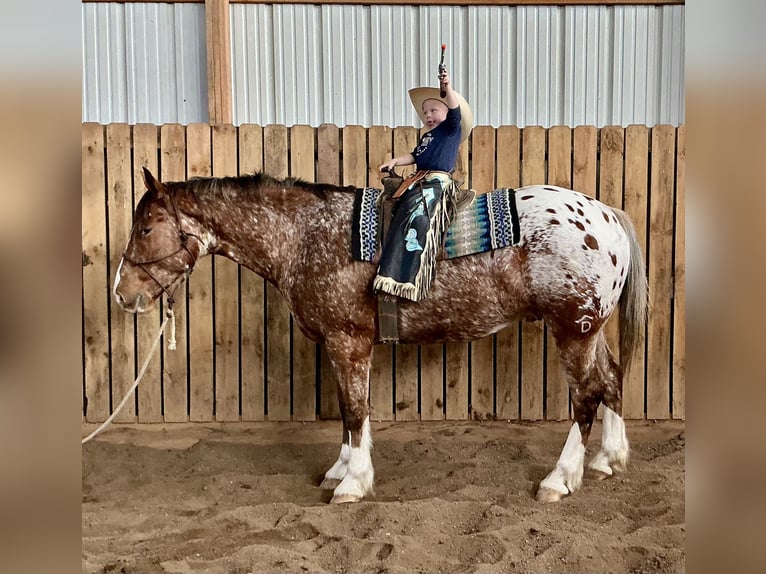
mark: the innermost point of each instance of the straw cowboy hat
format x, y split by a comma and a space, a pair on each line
420, 95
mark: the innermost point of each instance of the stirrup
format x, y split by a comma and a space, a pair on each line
388, 320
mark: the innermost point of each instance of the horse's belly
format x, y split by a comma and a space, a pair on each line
471, 297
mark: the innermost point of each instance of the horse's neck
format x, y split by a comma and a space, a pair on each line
262, 231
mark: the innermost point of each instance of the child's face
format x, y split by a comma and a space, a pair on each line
434, 113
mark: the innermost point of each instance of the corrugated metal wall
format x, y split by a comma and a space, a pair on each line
352, 65
144, 63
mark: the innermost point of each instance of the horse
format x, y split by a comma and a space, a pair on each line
577, 261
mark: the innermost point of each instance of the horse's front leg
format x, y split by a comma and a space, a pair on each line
350, 358
337, 471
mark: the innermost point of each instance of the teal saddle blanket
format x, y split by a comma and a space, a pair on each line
489, 222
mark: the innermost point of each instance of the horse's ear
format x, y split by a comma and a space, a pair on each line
153, 184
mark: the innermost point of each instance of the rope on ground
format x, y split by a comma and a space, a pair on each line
169, 316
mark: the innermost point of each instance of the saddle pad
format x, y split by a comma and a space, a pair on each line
489, 222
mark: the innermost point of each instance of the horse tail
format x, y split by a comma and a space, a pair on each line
634, 302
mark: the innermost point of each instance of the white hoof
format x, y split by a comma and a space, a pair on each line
329, 484
599, 466
344, 499
546, 495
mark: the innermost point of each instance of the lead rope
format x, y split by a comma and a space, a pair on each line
169, 316
172, 330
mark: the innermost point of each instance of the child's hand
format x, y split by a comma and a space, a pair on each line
444, 77
388, 166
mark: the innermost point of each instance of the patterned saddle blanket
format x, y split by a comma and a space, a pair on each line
489, 222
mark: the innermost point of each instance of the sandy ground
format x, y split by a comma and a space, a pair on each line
449, 497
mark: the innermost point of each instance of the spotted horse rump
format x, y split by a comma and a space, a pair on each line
575, 263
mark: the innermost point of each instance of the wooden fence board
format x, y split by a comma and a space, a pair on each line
611, 167
407, 374
275, 146
120, 210
175, 373
95, 278
456, 355
226, 294
635, 202
379, 150
201, 348
252, 289
328, 171
355, 164
356, 170
406, 357
417, 366
507, 344
585, 167
428, 382
659, 356
679, 282
559, 173
532, 334
432, 382
482, 177
585, 159
145, 152
304, 351
456, 375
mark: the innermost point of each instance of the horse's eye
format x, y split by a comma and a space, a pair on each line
145, 231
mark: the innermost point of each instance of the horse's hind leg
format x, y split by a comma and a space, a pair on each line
613, 455
585, 371
350, 358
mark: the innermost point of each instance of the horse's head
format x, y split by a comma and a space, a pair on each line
159, 253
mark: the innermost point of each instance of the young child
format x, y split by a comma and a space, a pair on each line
421, 216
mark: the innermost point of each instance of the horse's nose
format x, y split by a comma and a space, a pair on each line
135, 305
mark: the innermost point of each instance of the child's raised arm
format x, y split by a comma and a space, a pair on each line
450, 99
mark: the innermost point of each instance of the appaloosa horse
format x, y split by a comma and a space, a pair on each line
576, 260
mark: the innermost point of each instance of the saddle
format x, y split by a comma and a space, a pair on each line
394, 185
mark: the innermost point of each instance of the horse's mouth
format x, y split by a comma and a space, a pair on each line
138, 305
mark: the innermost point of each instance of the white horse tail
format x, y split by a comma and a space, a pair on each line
634, 301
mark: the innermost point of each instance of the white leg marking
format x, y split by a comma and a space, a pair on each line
614, 445
338, 470
360, 475
567, 476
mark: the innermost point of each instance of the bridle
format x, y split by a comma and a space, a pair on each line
183, 239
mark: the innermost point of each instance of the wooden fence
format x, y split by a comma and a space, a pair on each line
239, 356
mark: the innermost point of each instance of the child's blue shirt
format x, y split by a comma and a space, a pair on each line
437, 149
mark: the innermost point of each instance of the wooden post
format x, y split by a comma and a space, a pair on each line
218, 41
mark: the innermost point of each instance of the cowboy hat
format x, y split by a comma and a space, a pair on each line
420, 95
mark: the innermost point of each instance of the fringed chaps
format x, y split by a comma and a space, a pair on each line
421, 217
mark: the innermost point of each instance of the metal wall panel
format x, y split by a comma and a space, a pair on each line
144, 63
352, 65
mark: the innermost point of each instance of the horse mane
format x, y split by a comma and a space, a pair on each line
244, 184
